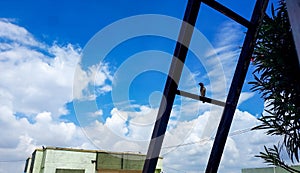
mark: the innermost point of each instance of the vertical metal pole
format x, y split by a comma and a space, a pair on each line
236, 87
180, 52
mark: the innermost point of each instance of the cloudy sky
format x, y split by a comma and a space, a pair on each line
90, 75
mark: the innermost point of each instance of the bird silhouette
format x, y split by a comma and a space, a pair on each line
202, 90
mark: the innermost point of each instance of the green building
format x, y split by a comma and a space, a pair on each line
68, 160
268, 170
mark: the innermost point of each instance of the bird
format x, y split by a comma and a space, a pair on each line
202, 90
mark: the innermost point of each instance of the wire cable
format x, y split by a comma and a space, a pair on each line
203, 141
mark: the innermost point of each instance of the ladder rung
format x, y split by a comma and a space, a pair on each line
227, 12
197, 97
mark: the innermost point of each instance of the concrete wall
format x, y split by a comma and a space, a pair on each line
159, 165
64, 160
122, 162
268, 170
27, 165
60, 159
36, 161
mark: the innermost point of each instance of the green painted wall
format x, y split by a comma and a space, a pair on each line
133, 162
64, 160
69, 171
268, 170
108, 161
120, 161
126, 161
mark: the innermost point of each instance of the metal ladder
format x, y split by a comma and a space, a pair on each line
171, 86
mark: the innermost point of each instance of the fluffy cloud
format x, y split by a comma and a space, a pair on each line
87, 84
242, 144
21, 137
13, 32
187, 144
245, 96
36, 83
38, 77
123, 130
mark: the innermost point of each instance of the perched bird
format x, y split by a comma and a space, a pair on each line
202, 90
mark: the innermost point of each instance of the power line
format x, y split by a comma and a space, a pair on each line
174, 169
202, 141
190, 143
7, 161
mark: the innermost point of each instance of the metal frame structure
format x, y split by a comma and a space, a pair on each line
171, 86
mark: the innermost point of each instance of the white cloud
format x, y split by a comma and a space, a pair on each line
123, 127
36, 83
96, 77
245, 96
117, 122
239, 151
130, 146
20, 137
98, 113
41, 79
187, 144
16, 33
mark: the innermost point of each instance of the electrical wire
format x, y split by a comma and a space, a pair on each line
7, 161
203, 141
182, 171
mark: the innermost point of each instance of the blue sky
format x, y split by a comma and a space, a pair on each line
91, 76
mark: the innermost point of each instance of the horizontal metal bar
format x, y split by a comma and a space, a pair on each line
227, 12
197, 97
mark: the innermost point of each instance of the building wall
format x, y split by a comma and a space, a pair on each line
268, 170
60, 159
64, 160
159, 165
27, 165
122, 162
36, 161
